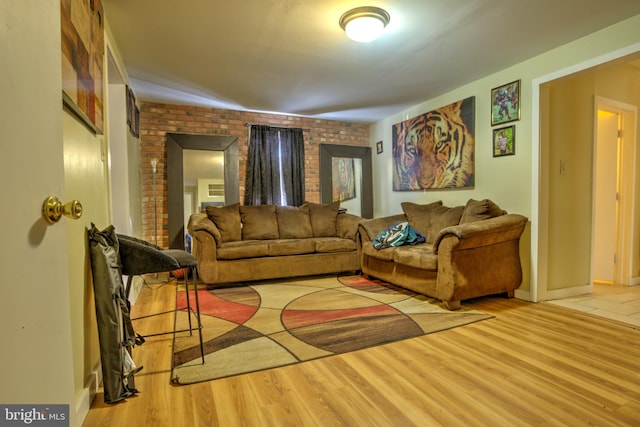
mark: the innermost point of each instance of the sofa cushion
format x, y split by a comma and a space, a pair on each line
419, 216
386, 254
323, 218
334, 244
476, 210
243, 249
227, 221
294, 222
259, 222
291, 247
442, 217
419, 256
347, 225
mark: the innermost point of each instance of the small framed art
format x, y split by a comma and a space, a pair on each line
505, 103
504, 141
379, 147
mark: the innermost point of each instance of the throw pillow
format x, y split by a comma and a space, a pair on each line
323, 218
294, 222
259, 222
419, 216
227, 221
476, 210
442, 217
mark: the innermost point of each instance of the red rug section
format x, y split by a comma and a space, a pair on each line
214, 306
299, 318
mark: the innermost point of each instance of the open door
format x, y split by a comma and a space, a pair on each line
614, 189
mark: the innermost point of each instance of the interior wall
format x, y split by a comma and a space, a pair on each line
135, 186
156, 120
570, 149
85, 180
510, 181
118, 158
571, 139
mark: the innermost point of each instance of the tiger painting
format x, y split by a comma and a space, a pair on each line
436, 149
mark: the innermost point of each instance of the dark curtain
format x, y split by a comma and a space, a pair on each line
275, 166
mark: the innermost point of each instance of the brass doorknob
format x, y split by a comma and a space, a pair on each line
53, 209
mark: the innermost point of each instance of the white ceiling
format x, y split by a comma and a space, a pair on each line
290, 56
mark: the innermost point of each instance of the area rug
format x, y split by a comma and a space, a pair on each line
265, 325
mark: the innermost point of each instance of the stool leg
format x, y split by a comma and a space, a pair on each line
194, 274
128, 288
185, 272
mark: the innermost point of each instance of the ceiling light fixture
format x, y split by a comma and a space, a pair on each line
364, 24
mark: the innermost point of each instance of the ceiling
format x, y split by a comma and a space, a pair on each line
291, 56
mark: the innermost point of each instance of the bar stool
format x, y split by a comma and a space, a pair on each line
138, 257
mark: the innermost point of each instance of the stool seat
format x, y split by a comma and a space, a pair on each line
184, 259
139, 257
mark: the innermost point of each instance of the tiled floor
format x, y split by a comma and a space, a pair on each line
616, 302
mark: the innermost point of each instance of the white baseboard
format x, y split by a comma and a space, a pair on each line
568, 292
83, 402
523, 295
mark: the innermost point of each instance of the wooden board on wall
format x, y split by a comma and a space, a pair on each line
82, 59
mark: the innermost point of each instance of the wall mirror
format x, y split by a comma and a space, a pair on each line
202, 170
345, 175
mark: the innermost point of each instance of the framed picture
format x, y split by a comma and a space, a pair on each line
131, 108
505, 103
435, 150
379, 147
504, 141
129, 93
135, 126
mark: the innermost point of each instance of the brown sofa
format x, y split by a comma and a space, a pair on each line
470, 251
245, 243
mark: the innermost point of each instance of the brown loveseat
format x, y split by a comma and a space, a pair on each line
243, 243
470, 251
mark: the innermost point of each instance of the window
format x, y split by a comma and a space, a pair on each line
216, 190
275, 166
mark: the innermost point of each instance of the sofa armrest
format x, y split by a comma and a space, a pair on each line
206, 252
479, 258
369, 228
206, 225
347, 225
194, 219
484, 232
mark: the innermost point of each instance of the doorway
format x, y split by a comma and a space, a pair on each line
613, 187
176, 146
564, 203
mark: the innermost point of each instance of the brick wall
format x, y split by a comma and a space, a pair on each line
158, 119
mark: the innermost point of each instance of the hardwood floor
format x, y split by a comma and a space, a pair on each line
532, 365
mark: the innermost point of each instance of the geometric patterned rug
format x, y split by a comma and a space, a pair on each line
268, 324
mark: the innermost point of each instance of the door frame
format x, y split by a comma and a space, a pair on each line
539, 206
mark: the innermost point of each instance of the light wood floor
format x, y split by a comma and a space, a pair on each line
532, 365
